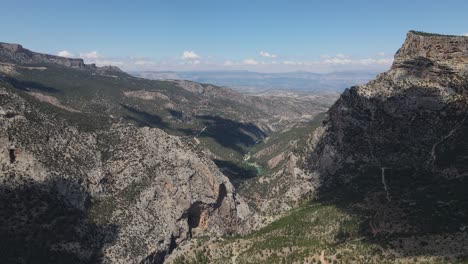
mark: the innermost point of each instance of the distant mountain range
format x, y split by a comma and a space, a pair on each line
254, 81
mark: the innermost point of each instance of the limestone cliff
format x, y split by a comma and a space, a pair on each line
388, 166
111, 193
17, 54
394, 151
406, 118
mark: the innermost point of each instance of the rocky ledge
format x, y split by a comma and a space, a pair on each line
17, 55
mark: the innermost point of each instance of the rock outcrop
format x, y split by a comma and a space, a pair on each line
113, 193
394, 151
17, 54
405, 119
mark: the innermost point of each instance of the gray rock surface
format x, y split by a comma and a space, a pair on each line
406, 118
135, 193
394, 153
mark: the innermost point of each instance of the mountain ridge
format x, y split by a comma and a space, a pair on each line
93, 142
18, 54
114, 177
395, 148
255, 82
388, 161
388, 171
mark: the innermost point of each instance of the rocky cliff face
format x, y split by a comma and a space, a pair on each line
395, 149
224, 121
448, 49
112, 193
407, 118
388, 166
17, 54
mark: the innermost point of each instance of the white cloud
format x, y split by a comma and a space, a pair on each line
337, 61
342, 56
90, 55
65, 53
466, 34
341, 59
267, 55
100, 60
192, 62
373, 61
190, 55
143, 62
189, 60
289, 62
228, 63
250, 62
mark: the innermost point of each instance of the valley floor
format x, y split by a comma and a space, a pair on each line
315, 233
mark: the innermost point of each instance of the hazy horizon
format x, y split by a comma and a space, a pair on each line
259, 36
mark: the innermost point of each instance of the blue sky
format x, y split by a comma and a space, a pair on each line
252, 35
